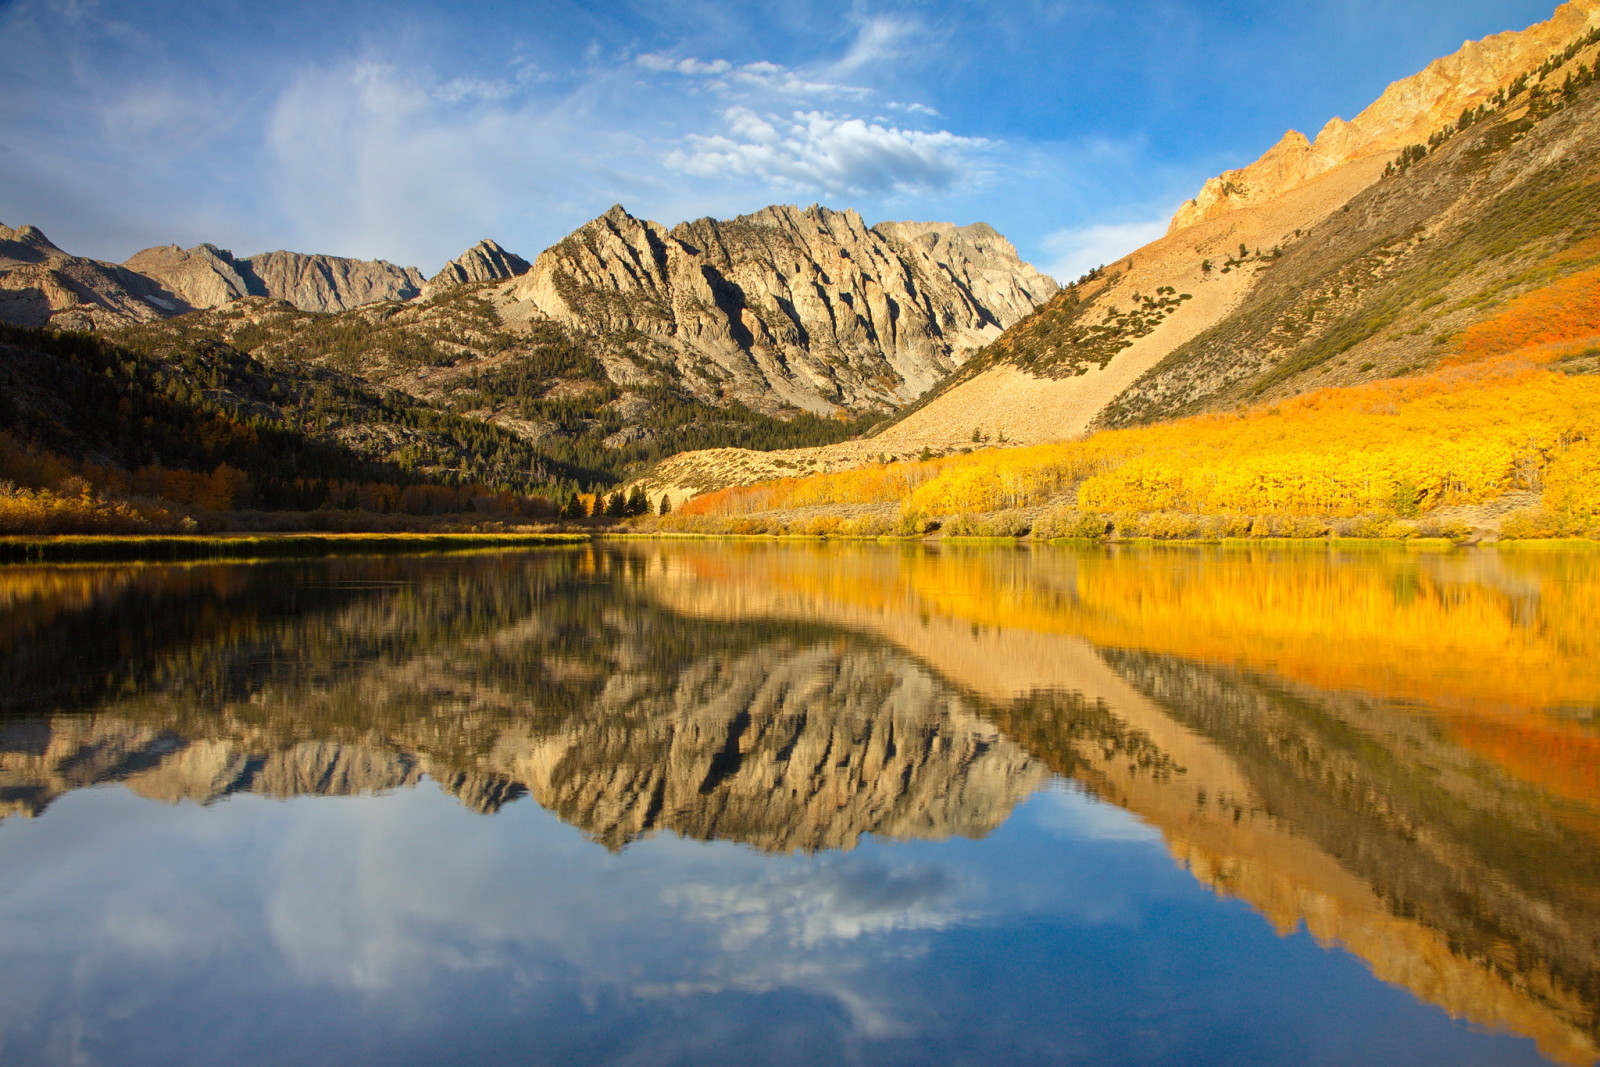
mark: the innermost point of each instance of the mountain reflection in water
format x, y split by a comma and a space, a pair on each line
1397, 751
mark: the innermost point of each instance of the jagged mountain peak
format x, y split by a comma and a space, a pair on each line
781, 308
485, 261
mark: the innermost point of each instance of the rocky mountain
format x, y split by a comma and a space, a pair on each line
673, 341
784, 308
621, 345
207, 276
40, 284
485, 261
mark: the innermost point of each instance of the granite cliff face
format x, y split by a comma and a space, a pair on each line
784, 308
1406, 113
203, 276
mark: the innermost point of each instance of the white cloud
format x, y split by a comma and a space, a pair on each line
1077, 249
689, 67
760, 78
813, 151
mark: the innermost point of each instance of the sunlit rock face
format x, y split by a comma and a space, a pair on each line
485, 261
42, 285
1407, 113
787, 307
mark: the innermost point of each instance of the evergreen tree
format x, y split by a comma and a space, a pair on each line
666, 504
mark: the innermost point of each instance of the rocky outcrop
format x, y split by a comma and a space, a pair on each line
784, 308
42, 285
1407, 113
331, 283
485, 261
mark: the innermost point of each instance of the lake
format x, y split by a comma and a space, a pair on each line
693, 802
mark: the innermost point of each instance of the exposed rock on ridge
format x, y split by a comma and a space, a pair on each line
485, 261
1407, 112
203, 276
206, 276
785, 307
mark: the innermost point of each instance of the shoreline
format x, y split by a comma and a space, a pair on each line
171, 548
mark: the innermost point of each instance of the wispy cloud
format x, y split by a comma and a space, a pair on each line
879, 39
760, 77
814, 151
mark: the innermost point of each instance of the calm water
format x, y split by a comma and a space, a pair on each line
662, 804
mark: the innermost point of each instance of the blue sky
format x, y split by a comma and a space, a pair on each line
407, 130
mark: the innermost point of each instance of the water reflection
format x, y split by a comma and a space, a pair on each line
1395, 752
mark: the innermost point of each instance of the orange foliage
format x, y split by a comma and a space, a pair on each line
1461, 435
1551, 321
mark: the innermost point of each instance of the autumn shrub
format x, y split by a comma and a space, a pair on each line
1561, 313
1399, 530
1070, 522
747, 526
79, 510
1362, 525
1170, 525
1010, 523
870, 525
820, 525
1220, 526
1451, 529
1531, 523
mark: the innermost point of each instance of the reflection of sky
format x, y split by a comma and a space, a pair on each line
405, 928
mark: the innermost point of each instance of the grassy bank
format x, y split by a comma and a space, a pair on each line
164, 548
